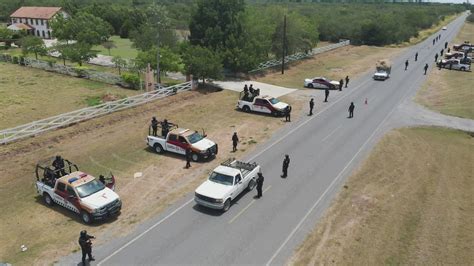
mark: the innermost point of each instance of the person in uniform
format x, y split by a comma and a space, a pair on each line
341, 84
165, 128
288, 114
189, 153
416, 56
347, 81
235, 140
446, 45
326, 94
449, 50
246, 89
86, 246
58, 165
286, 163
406, 64
436, 57
433, 41
102, 179
351, 110
426, 68
260, 180
311, 106
251, 89
442, 51
154, 126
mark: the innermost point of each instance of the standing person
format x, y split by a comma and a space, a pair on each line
288, 113
341, 84
189, 153
446, 45
416, 56
351, 110
426, 68
86, 246
165, 128
326, 94
246, 89
406, 64
442, 51
251, 89
235, 140
154, 126
260, 180
347, 81
286, 163
58, 165
449, 50
436, 57
433, 41
311, 106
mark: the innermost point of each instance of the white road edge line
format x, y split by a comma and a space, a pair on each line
253, 157
334, 181
246, 207
307, 121
332, 132
145, 232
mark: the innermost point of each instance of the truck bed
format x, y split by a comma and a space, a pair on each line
245, 168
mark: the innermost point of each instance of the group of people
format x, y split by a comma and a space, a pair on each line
55, 171
436, 39
341, 83
250, 93
165, 127
260, 178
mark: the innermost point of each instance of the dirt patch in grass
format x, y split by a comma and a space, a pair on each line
450, 91
28, 94
116, 143
349, 60
410, 203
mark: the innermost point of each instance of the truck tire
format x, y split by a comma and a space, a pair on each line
226, 205
47, 199
275, 113
246, 109
158, 148
86, 217
463, 69
194, 157
310, 85
251, 185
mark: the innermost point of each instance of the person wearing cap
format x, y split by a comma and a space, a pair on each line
260, 179
286, 163
86, 246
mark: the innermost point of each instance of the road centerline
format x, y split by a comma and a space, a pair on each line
330, 134
248, 206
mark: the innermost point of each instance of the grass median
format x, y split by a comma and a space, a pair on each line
410, 203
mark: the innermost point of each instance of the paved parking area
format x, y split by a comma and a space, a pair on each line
265, 89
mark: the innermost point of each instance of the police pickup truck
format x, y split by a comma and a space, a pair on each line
179, 139
262, 104
77, 191
225, 183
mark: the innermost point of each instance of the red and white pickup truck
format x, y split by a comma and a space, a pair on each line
77, 191
262, 104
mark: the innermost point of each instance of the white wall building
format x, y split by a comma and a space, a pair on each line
35, 20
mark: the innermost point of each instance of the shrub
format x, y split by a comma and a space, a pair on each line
15, 59
50, 62
470, 18
132, 80
81, 71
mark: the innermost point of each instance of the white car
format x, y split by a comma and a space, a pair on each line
321, 83
455, 64
444, 28
226, 183
262, 104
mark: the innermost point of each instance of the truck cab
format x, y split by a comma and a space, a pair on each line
382, 70
226, 182
263, 104
90, 198
179, 139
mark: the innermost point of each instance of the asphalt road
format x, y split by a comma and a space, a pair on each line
324, 149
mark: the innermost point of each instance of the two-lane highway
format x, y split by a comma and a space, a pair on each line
323, 149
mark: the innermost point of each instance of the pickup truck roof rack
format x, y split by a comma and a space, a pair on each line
231, 162
44, 167
171, 127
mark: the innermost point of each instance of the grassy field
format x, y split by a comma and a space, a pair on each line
349, 60
28, 94
409, 204
124, 48
449, 91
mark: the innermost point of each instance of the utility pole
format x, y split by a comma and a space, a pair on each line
158, 78
283, 50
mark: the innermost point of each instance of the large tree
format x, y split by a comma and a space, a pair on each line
33, 44
202, 63
169, 61
79, 52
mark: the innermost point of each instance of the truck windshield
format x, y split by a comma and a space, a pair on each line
89, 188
274, 101
195, 137
222, 179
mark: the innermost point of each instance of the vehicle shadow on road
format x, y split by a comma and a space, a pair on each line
213, 212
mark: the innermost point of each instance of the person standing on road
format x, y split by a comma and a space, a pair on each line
260, 180
416, 56
341, 84
286, 163
86, 246
154, 126
351, 110
433, 41
311, 106
436, 57
347, 81
449, 50
326, 94
288, 113
446, 45
442, 51
426, 68
235, 140
406, 64
189, 153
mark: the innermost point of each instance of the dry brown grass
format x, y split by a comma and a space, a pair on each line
116, 143
349, 60
409, 204
448, 91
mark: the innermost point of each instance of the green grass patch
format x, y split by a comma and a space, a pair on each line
124, 48
93, 100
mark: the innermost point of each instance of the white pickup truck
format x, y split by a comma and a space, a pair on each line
225, 183
79, 192
262, 104
179, 139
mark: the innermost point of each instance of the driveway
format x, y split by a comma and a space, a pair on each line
265, 89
